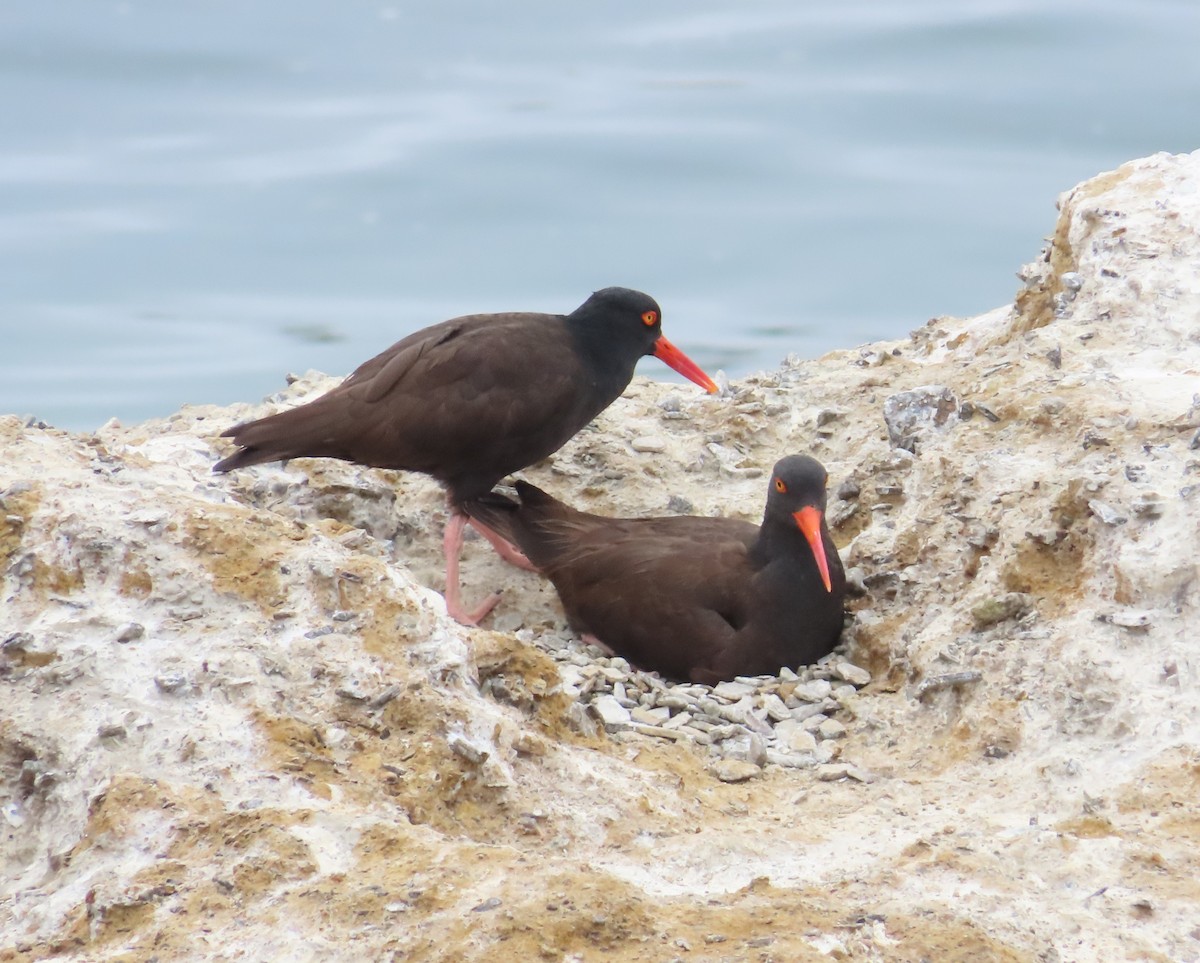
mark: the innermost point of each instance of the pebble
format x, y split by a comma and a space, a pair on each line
833, 771
649, 444
831, 729
950, 680
650, 717
851, 673
813, 691
791, 760
170, 682
611, 712
732, 691
1132, 619
462, 747
793, 737
580, 721
528, 744
745, 745
571, 677
661, 732
826, 752
678, 505
734, 770
1071, 280
992, 611
775, 709
731, 461
1106, 513
130, 632
806, 711
678, 720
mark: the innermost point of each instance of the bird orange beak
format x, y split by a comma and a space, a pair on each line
808, 520
672, 356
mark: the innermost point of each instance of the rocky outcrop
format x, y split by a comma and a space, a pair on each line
234, 718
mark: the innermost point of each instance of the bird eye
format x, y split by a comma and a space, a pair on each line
650, 318
779, 485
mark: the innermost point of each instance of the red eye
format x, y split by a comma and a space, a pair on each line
650, 318
779, 485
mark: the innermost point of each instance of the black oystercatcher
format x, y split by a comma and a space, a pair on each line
472, 400
703, 599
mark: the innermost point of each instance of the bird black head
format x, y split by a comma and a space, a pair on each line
617, 321
796, 497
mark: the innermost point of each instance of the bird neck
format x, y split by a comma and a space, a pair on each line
781, 540
607, 360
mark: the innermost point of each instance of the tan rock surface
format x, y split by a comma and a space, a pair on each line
298, 757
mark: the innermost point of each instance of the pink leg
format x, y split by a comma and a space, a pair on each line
504, 548
452, 543
592, 640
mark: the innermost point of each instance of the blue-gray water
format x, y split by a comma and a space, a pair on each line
196, 198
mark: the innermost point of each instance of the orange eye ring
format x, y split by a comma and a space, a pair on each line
780, 486
650, 319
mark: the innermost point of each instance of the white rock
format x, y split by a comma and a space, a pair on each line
775, 708
732, 691
831, 729
813, 691
610, 712
793, 737
851, 673
1106, 513
734, 770
746, 745
1132, 618
648, 444
650, 717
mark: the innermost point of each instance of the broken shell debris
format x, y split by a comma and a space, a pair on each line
628, 702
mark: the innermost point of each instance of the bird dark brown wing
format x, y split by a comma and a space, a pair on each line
467, 401
663, 592
664, 596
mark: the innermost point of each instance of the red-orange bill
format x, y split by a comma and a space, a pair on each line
671, 355
808, 519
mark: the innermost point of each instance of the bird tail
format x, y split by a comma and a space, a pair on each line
310, 431
498, 512
530, 522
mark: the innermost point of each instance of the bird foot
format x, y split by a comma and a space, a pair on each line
454, 608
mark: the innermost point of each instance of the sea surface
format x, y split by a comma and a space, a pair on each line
196, 198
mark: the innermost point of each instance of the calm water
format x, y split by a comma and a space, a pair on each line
196, 198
